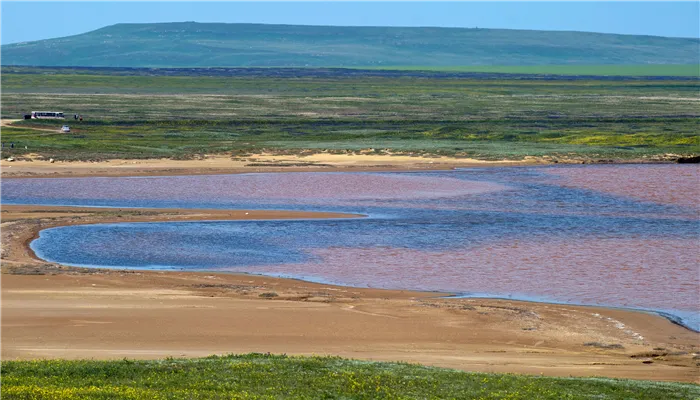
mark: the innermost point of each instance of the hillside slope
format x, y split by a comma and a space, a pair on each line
190, 44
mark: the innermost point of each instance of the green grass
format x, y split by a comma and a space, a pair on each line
489, 139
259, 376
187, 116
692, 70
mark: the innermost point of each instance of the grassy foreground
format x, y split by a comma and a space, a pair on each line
261, 376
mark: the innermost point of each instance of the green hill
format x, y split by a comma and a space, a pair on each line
190, 44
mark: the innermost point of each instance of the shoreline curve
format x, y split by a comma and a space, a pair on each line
253, 215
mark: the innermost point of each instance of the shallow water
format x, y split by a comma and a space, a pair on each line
606, 235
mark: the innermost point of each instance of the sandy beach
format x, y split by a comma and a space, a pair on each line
31, 166
52, 311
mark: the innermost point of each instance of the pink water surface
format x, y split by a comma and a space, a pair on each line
677, 184
624, 272
290, 187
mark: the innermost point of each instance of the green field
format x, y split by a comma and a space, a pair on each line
261, 376
188, 116
591, 70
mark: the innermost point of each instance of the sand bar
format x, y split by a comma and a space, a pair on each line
32, 166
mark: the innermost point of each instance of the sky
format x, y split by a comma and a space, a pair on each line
26, 21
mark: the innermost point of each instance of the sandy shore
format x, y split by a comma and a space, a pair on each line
50, 311
35, 166
112, 314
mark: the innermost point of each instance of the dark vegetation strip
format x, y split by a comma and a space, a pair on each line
545, 72
607, 72
265, 376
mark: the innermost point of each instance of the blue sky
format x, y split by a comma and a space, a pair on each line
26, 21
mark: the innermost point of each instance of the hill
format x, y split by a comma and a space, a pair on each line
190, 44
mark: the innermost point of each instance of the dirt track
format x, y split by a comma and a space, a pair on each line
9, 122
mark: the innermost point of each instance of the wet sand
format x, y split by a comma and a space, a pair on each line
50, 311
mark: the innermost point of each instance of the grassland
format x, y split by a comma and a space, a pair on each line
187, 116
584, 70
260, 376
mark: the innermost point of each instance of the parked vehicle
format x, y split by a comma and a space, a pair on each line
47, 115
